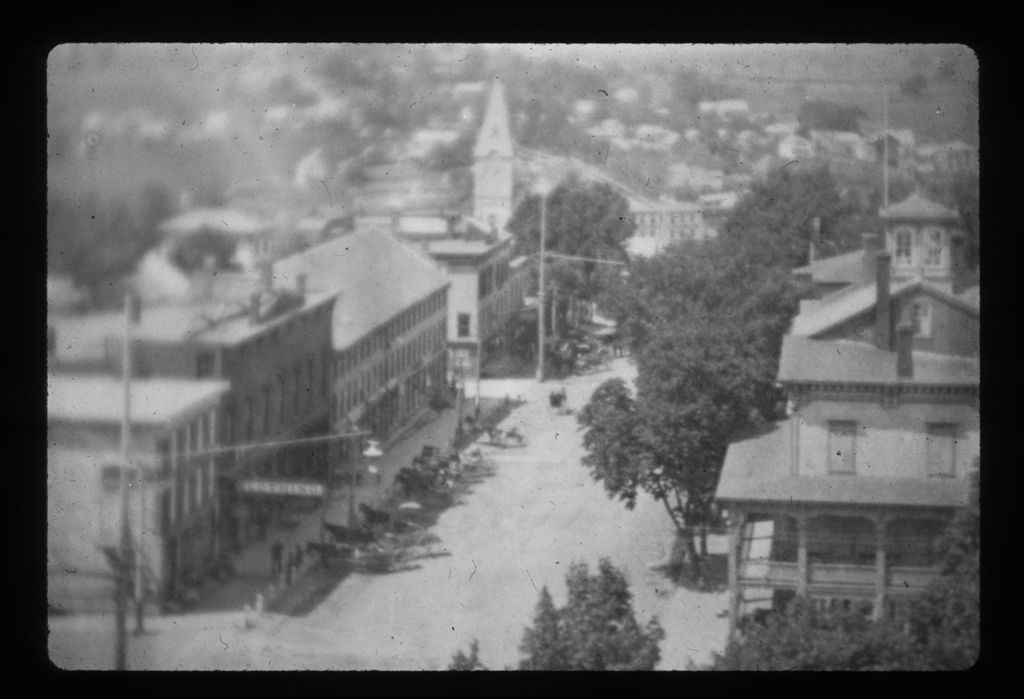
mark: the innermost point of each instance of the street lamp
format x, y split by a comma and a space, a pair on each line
543, 187
372, 453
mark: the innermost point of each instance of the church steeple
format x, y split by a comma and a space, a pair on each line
493, 171
495, 136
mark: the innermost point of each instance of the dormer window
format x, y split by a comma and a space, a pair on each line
934, 247
904, 243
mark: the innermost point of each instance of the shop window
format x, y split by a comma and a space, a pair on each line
463, 325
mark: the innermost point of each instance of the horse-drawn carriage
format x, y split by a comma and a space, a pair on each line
505, 438
384, 543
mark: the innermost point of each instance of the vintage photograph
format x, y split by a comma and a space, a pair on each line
512, 357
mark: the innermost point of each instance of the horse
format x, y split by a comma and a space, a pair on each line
513, 435
344, 535
412, 481
374, 516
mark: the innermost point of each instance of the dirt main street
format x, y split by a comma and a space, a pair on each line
513, 533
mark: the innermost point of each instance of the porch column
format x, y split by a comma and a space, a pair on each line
735, 542
880, 522
801, 555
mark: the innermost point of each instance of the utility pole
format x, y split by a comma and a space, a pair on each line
124, 572
885, 150
540, 292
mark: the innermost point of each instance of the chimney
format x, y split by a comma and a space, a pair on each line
883, 313
254, 308
266, 274
300, 286
135, 307
905, 346
872, 247
206, 276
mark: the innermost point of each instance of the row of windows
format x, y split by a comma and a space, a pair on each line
933, 252
363, 383
193, 479
664, 219
940, 458
382, 338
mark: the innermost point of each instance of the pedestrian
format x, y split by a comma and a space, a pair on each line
276, 552
289, 568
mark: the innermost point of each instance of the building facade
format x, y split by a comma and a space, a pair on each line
172, 510
844, 500
272, 345
388, 333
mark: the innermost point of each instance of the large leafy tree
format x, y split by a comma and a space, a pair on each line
706, 329
597, 628
584, 219
97, 241
787, 211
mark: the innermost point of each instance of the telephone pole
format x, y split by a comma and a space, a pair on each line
123, 577
540, 292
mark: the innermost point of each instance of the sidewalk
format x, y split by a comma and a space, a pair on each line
253, 565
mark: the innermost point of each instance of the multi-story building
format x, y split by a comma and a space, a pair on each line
172, 510
487, 290
843, 501
388, 333
661, 223
272, 345
925, 241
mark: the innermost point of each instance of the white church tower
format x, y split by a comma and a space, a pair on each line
494, 166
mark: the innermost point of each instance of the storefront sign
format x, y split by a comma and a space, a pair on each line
267, 487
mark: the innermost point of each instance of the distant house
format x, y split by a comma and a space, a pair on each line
795, 147
665, 222
722, 108
952, 157
847, 144
717, 206
693, 177
782, 128
627, 95
250, 235
424, 141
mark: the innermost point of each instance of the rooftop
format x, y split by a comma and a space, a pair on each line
759, 469
88, 398
376, 274
917, 206
93, 337
223, 220
846, 268
846, 303
842, 361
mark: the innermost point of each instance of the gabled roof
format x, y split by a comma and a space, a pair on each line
847, 303
376, 274
845, 268
759, 470
917, 206
495, 136
843, 361
100, 399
